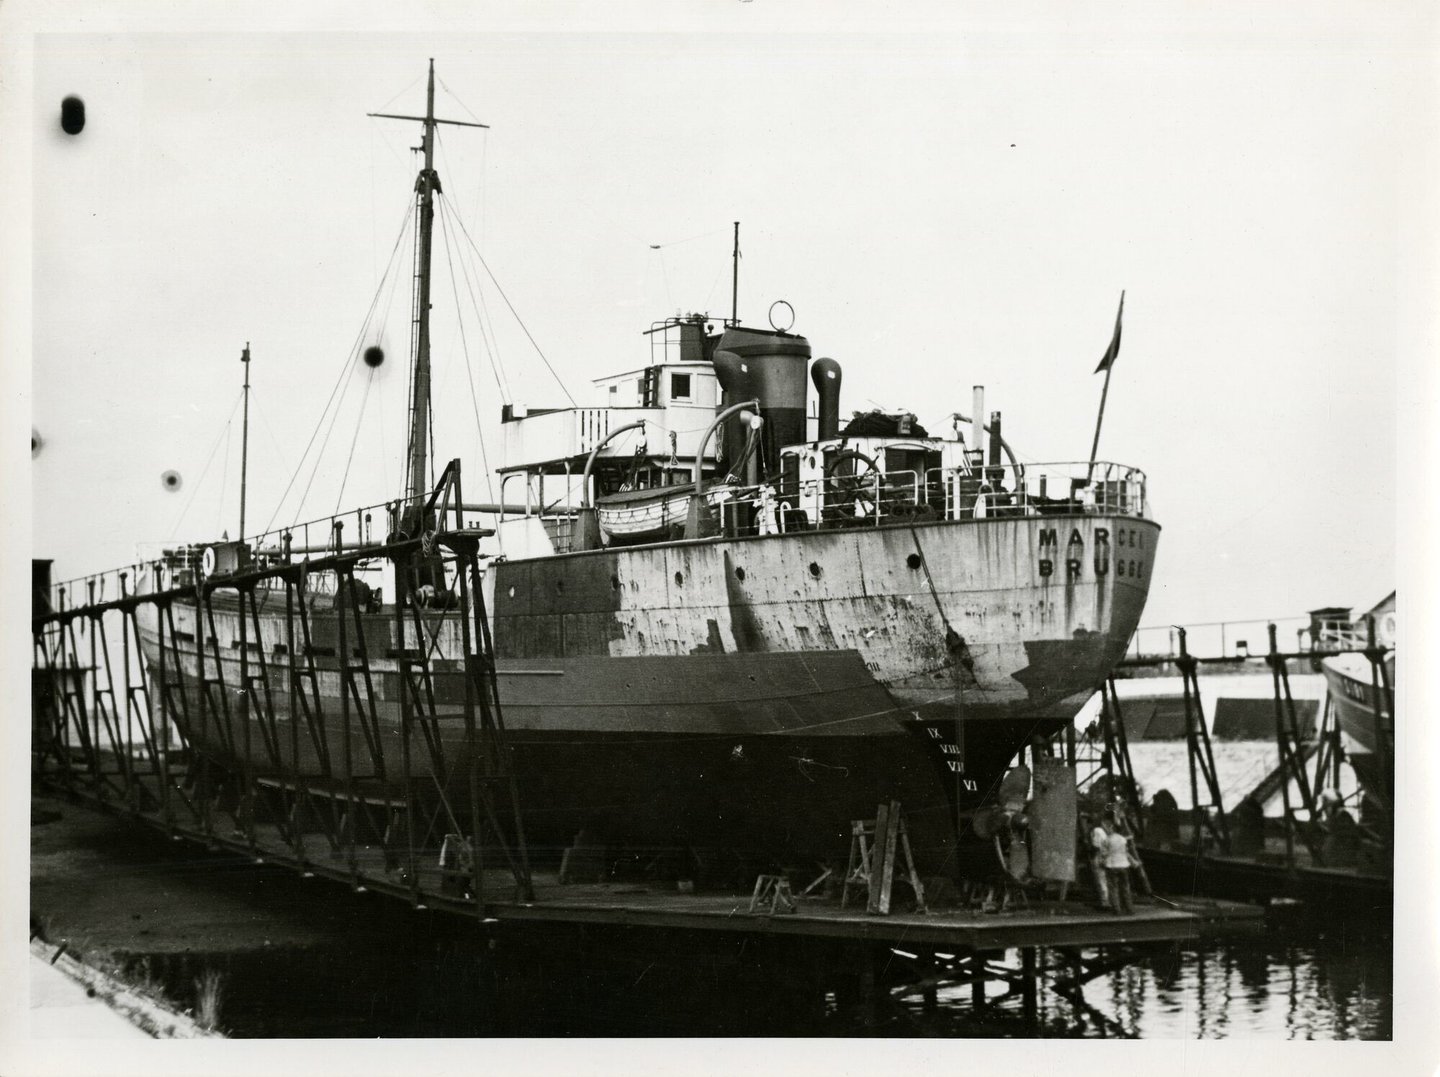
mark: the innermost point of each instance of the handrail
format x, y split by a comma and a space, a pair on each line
951, 493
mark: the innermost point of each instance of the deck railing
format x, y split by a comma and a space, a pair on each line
863, 498
869, 498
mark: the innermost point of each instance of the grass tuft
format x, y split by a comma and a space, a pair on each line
209, 989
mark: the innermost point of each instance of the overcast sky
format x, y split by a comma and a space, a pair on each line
958, 206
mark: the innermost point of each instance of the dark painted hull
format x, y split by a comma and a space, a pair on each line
776, 777
734, 696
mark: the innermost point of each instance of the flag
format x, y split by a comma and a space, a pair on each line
1114, 349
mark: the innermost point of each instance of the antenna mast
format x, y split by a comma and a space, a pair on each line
735, 279
427, 184
244, 438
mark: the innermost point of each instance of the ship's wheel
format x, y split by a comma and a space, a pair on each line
855, 493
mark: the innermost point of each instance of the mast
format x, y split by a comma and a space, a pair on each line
244, 437
735, 279
427, 185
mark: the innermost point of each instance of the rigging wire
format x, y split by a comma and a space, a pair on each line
255, 409
465, 349
688, 239
430, 429
452, 93
344, 369
320, 454
224, 480
384, 453
482, 316
665, 278
711, 293
478, 215
472, 291
513, 311
397, 97
359, 422
200, 482
487, 333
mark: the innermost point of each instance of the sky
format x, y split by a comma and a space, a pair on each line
944, 208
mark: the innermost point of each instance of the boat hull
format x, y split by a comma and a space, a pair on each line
731, 696
1352, 695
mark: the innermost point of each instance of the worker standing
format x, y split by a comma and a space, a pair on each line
1099, 839
1118, 862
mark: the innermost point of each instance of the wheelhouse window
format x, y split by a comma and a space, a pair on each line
679, 386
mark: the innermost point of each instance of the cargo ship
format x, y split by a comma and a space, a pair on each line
733, 646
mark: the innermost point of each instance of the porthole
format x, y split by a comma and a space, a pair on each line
740, 574
614, 583
679, 579
511, 592
559, 587
913, 561
815, 569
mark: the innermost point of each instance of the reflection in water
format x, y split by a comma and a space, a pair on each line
425, 982
1320, 987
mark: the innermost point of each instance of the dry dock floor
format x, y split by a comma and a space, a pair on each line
153, 904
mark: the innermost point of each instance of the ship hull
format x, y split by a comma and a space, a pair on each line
1352, 695
746, 695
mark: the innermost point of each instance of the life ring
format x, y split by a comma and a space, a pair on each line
1385, 630
207, 562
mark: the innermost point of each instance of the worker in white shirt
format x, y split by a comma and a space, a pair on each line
1118, 862
1099, 837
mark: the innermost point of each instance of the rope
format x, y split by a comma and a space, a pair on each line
452, 93
270, 430
315, 466
224, 479
208, 461
481, 258
349, 359
392, 100
359, 421
465, 349
481, 318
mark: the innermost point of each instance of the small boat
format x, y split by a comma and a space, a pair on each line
650, 515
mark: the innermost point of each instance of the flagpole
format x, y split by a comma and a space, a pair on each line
1095, 445
1108, 363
